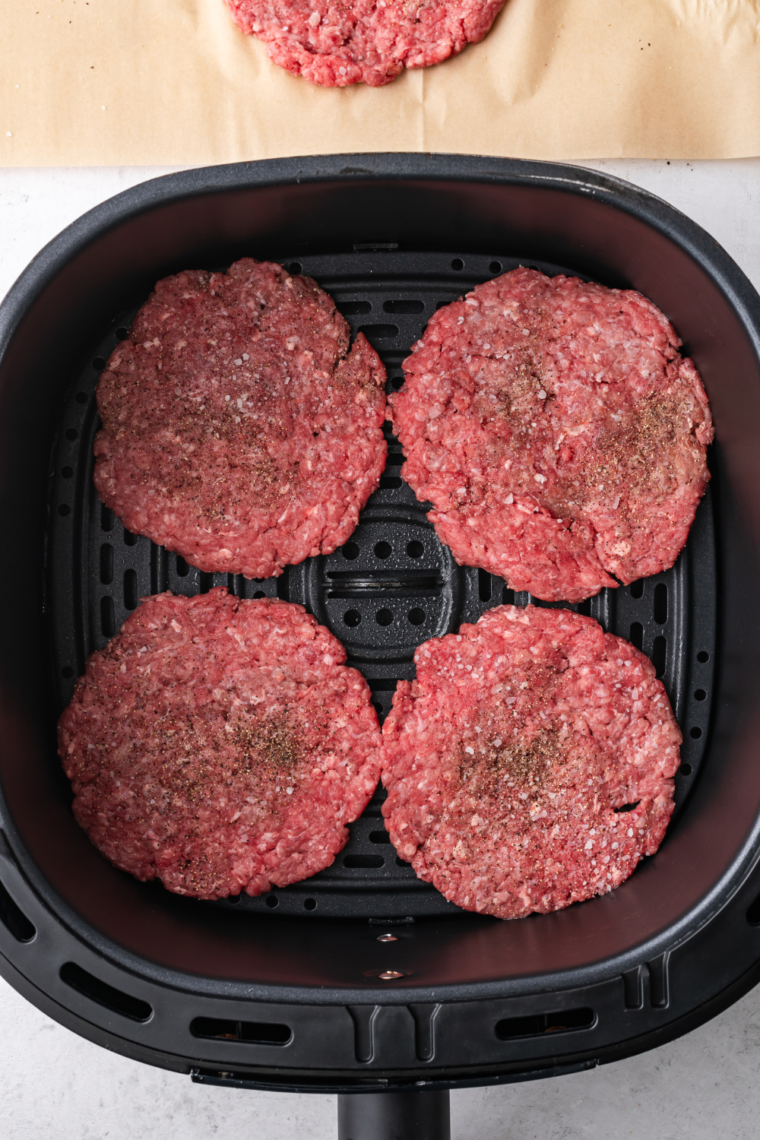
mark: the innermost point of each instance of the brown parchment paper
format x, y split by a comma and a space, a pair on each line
164, 82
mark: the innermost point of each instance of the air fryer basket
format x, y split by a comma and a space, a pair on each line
364, 978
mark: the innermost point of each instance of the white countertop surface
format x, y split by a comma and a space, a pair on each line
56, 1086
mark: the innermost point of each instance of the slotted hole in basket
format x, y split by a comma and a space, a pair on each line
255, 1032
535, 1025
107, 617
363, 862
103, 994
130, 589
379, 332
403, 306
106, 564
353, 308
659, 649
14, 919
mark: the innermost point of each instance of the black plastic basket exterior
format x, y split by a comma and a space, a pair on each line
363, 976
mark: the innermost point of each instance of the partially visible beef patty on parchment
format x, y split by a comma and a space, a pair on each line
363, 41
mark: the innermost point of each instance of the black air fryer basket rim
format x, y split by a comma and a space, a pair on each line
354, 169
398, 166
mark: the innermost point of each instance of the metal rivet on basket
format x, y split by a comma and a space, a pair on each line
390, 976
387, 938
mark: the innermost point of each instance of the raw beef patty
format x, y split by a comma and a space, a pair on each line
220, 745
531, 763
238, 427
363, 41
557, 432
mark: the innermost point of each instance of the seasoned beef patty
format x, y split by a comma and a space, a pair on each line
531, 763
557, 432
220, 745
363, 41
239, 429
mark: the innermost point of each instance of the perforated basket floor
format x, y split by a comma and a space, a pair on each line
388, 589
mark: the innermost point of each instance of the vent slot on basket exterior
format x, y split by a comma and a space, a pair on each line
388, 589
98, 991
250, 1032
14, 919
536, 1025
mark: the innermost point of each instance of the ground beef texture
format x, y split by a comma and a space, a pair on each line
558, 433
530, 765
363, 41
220, 745
240, 428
